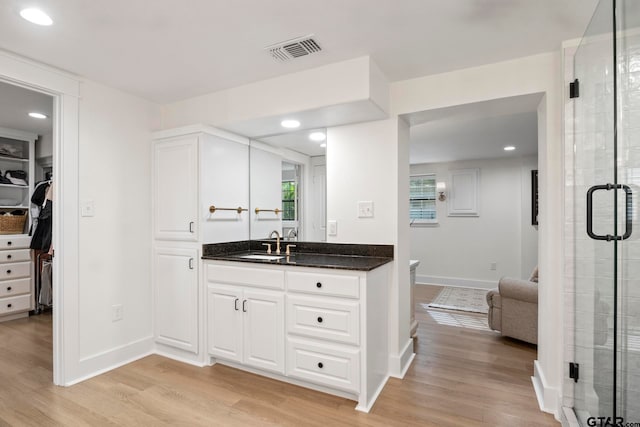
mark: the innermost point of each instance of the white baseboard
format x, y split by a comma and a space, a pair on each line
569, 418
366, 408
547, 396
97, 364
457, 282
399, 364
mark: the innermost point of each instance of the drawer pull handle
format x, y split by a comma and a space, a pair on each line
319, 319
9, 243
9, 256
8, 271
9, 305
320, 365
319, 285
235, 304
9, 288
244, 308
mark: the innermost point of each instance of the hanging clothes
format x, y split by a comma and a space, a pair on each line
41, 239
38, 198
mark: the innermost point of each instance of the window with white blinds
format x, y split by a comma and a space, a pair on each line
422, 198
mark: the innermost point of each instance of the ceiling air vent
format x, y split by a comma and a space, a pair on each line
294, 48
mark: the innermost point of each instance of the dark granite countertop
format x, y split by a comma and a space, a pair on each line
306, 254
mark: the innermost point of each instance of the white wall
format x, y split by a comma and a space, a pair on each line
115, 244
348, 91
523, 76
458, 251
370, 162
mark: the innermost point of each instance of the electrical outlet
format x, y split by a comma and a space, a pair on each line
332, 227
117, 312
87, 208
493, 266
365, 209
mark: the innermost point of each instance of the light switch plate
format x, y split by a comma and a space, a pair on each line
87, 208
332, 227
365, 209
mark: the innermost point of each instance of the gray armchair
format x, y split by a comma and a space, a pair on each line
513, 308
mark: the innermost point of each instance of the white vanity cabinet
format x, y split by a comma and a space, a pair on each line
193, 168
175, 177
176, 297
246, 325
324, 329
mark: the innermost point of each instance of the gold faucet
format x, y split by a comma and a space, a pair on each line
277, 240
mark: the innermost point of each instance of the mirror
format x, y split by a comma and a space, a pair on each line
287, 185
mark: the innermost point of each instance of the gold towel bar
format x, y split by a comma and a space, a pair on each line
276, 210
239, 209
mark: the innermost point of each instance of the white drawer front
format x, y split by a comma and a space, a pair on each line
257, 277
322, 318
15, 270
14, 242
15, 287
323, 284
15, 255
15, 304
325, 365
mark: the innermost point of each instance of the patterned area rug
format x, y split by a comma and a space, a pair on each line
462, 299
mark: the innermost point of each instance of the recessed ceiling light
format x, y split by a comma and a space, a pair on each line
38, 115
36, 16
323, 145
317, 136
509, 148
290, 124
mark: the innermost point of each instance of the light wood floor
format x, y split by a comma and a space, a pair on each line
460, 377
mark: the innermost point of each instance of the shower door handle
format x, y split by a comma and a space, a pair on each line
628, 212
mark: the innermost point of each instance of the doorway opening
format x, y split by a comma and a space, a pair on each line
473, 214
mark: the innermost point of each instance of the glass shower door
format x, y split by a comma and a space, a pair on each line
606, 183
595, 218
628, 129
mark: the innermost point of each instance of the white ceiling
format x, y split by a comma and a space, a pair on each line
15, 105
475, 131
297, 141
165, 50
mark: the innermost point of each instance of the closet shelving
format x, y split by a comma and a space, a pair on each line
21, 145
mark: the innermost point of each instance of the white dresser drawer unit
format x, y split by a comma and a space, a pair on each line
15, 304
9, 288
15, 270
336, 320
323, 284
15, 255
324, 365
14, 242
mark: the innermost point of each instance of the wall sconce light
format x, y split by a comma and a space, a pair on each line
441, 189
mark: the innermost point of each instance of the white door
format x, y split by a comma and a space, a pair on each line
175, 179
224, 322
263, 316
176, 295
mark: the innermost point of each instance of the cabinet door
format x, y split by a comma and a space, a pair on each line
176, 297
263, 318
224, 322
175, 178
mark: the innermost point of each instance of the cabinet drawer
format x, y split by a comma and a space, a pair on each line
322, 318
15, 270
15, 287
15, 242
15, 304
323, 284
15, 255
256, 277
325, 365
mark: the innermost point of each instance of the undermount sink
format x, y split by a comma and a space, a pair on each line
262, 257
